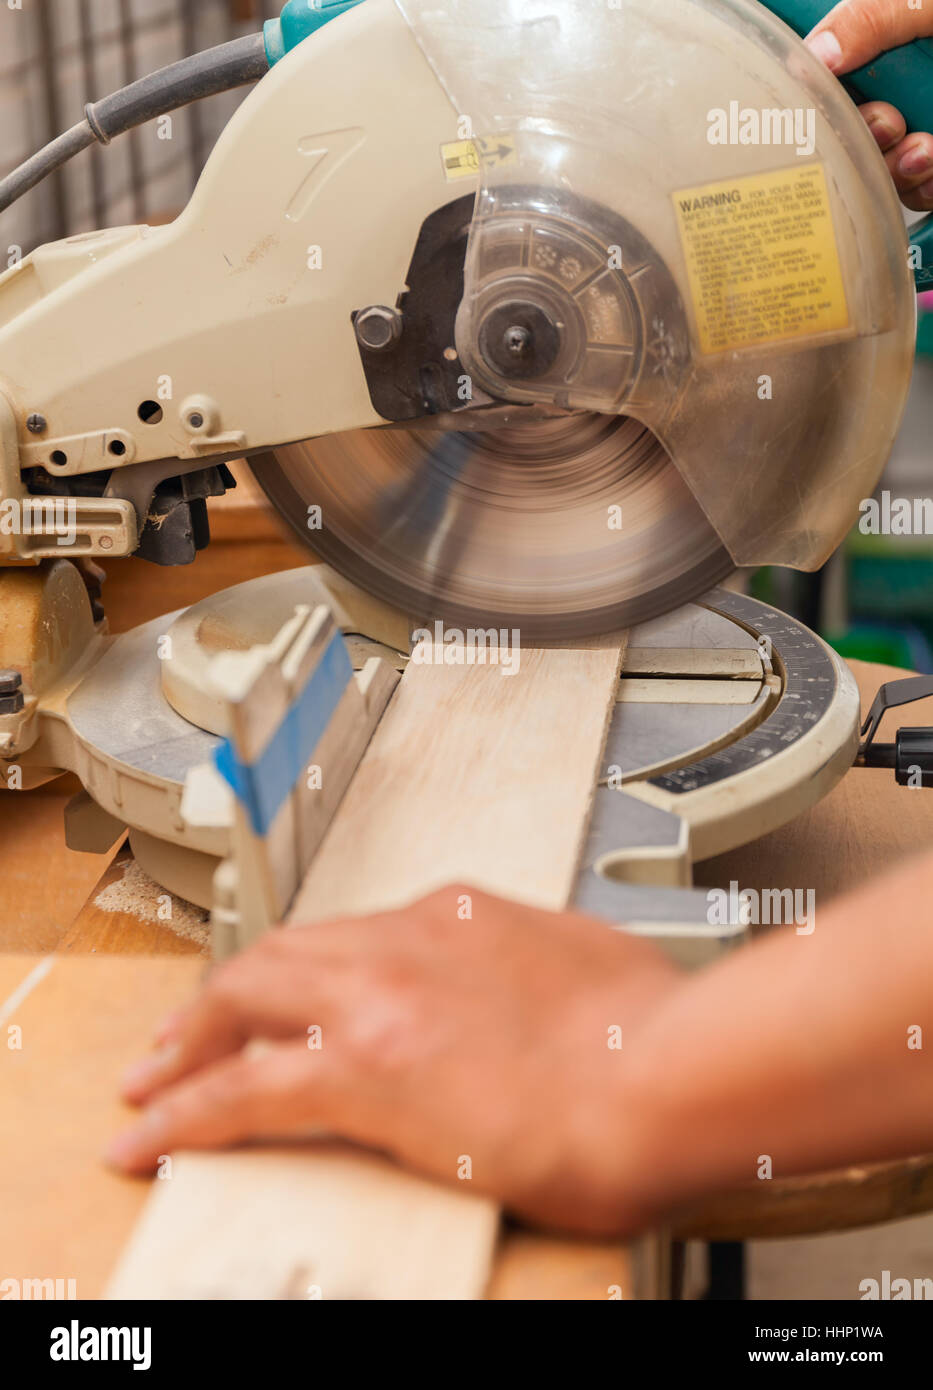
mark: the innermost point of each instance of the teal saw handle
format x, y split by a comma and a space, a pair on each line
903, 77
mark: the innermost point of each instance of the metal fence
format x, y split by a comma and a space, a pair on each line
56, 55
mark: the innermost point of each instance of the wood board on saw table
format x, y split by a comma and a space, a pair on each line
282, 1223
473, 776
82, 1020
66, 1216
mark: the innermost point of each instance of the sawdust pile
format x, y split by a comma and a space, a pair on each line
139, 896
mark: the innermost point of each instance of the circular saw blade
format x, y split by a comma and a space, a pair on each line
559, 527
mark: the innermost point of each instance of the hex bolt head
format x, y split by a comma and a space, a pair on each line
378, 327
36, 423
11, 693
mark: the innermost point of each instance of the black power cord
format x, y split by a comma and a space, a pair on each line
219, 69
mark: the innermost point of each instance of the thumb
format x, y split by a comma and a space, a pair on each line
858, 30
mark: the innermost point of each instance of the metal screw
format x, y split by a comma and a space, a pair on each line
36, 423
517, 340
196, 420
520, 339
378, 327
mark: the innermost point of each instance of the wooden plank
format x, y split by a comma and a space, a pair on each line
38, 906
277, 1223
537, 1268
473, 776
65, 1215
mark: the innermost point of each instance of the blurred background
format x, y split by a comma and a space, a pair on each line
874, 599
56, 55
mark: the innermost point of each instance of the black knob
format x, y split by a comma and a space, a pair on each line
913, 758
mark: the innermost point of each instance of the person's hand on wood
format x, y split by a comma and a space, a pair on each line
493, 1049
849, 37
566, 1069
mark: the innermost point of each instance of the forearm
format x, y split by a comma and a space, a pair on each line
803, 1049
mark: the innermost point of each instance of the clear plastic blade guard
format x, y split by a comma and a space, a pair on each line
694, 228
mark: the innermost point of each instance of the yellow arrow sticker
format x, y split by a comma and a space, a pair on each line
462, 159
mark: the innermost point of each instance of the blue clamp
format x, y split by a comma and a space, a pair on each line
263, 786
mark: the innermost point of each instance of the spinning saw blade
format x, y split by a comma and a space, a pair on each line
562, 526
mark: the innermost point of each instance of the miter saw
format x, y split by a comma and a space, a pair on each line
511, 340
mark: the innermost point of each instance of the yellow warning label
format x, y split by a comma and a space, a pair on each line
461, 158
762, 259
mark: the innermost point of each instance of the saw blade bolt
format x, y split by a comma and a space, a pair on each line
378, 327
517, 340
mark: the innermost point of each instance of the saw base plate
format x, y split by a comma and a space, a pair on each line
731, 719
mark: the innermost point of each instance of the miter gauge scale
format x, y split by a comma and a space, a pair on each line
732, 719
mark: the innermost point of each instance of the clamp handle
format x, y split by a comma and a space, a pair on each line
903, 77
